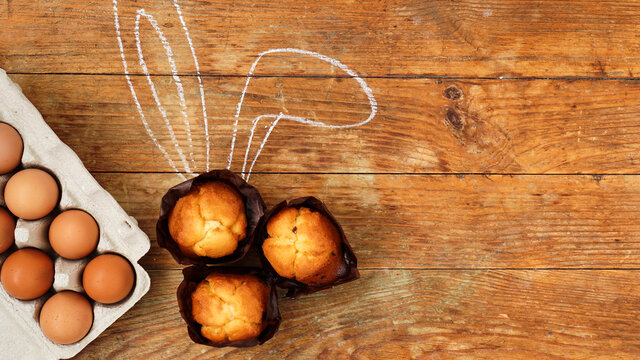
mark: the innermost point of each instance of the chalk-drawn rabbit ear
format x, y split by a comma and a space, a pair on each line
276, 118
184, 148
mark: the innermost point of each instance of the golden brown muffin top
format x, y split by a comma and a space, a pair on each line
209, 220
303, 245
230, 307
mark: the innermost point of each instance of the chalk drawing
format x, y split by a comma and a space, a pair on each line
174, 72
195, 60
134, 95
154, 93
183, 107
264, 141
334, 62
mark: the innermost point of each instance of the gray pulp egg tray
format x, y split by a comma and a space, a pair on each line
119, 233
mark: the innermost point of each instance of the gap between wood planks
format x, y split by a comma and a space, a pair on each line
376, 173
408, 77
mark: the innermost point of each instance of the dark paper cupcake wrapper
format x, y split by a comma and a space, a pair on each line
254, 209
193, 275
295, 288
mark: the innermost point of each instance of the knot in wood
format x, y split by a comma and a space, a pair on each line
452, 93
453, 118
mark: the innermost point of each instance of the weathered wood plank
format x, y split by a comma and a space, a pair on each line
404, 314
466, 266
416, 221
423, 126
377, 38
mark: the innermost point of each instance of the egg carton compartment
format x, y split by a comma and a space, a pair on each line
20, 333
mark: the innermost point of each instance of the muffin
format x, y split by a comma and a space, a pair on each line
303, 245
209, 220
230, 307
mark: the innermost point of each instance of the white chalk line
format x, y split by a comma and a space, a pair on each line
255, 121
264, 141
152, 87
174, 72
334, 62
195, 60
133, 92
180, 89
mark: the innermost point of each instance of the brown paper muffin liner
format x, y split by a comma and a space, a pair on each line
254, 209
295, 288
193, 275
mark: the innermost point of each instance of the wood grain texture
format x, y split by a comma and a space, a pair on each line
402, 314
470, 38
416, 221
465, 200
423, 126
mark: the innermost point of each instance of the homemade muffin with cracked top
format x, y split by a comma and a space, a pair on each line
209, 221
303, 245
230, 307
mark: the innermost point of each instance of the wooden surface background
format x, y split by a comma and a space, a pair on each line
493, 201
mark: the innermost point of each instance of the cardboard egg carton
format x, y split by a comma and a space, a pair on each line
20, 334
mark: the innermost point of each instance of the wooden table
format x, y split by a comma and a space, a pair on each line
493, 199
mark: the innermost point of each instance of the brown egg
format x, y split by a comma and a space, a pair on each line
10, 148
108, 278
7, 228
31, 194
27, 274
74, 234
66, 317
